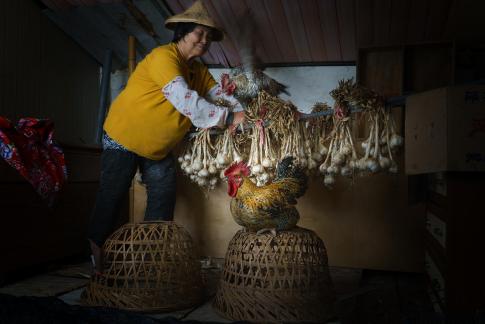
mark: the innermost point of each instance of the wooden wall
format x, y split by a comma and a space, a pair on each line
32, 233
45, 74
369, 223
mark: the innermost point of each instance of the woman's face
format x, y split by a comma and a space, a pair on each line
197, 42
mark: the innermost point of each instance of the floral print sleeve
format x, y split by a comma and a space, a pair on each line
217, 92
202, 113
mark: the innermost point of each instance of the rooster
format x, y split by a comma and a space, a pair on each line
246, 83
268, 208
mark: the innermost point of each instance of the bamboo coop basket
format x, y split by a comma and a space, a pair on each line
148, 267
282, 278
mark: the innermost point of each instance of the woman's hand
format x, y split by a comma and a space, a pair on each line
238, 118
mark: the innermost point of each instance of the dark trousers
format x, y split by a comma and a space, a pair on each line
118, 168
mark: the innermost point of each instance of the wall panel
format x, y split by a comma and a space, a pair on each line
44, 74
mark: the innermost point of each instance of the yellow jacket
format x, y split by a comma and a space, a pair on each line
141, 118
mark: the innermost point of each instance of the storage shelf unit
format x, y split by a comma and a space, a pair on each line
454, 201
454, 243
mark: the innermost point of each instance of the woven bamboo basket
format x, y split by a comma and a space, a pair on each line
148, 267
274, 279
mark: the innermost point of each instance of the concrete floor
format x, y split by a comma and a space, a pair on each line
347, 281
362, 296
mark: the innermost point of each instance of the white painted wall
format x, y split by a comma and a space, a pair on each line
306, 84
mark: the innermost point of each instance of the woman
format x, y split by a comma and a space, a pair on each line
163, 98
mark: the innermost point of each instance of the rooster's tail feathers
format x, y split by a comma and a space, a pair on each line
287, 169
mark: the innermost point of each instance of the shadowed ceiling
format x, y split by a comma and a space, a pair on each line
287, 32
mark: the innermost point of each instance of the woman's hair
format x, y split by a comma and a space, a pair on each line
184, 28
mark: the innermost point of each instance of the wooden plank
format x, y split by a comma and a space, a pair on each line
174, 6
437, 19
230, 27
428, 67
297, 30
416, 30
239, 10
450, 22
346, 20
313, 30
382, 22
231, 56
400, 11
81, 167
208, 58
365, 23
331, 35
279, 21
258, 18
32, 233
381, 70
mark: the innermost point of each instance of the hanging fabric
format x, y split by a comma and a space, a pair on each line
30, 149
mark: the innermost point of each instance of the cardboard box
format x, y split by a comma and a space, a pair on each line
445, 130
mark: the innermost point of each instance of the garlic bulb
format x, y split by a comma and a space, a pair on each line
317, 156
329, 180
333, 169
266, 162
312, 164
212, 169
256, 169
197, 165
322, 168
372, 165
346, 149
396, 141
346, 171
384, 162
203, 173
221, 175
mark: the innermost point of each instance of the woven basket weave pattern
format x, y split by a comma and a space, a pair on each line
282, 278
148, 267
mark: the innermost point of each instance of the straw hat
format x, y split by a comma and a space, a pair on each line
198, 14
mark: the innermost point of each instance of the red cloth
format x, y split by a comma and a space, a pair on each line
30, 149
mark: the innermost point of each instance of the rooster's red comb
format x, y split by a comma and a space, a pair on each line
237, 166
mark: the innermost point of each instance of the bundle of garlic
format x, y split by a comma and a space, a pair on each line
262, 159
377, 146
382, 139
296, 144
342, 156
271, 122
373, 160
316, 136
198, 160
381, 142
391, 140
227, 150
280, 116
